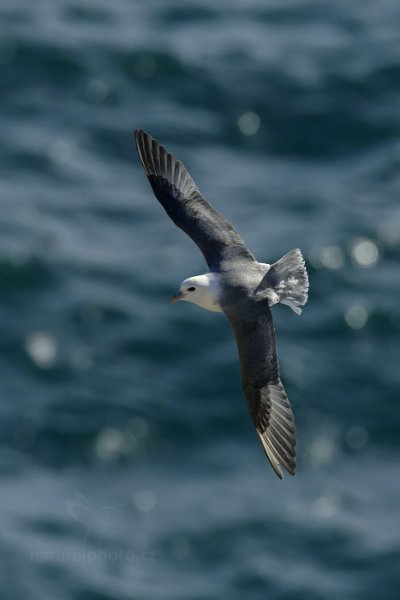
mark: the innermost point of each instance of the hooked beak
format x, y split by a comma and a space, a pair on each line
178, 296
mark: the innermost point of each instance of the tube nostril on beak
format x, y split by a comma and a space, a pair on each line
176, 297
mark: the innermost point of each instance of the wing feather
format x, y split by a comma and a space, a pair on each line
189, 210
268, 404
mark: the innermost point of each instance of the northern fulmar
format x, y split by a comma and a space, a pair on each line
240, 287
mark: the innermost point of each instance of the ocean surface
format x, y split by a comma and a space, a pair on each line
129, 465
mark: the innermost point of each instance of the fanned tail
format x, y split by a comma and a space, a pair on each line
287, 281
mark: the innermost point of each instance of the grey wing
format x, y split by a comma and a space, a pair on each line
178, 194
266, 397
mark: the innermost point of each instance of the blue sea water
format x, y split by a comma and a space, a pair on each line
129, 466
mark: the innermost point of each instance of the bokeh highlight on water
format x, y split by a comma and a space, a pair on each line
129, 465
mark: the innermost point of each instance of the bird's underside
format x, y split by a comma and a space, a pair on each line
250, 316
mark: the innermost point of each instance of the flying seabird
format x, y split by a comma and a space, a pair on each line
240, 287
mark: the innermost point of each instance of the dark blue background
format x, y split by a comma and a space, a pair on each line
129, 465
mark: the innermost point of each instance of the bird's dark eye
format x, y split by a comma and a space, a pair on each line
191, 289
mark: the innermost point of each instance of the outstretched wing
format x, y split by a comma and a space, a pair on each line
266, 397
178, 194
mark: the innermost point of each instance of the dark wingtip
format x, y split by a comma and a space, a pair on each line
139, 133
143, 146
138, 136
158, 162
139, 140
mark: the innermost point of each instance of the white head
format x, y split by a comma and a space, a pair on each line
203, 290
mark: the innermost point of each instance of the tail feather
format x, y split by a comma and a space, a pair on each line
287, 281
